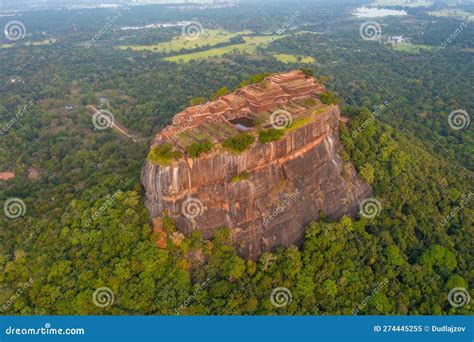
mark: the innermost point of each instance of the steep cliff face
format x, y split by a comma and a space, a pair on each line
266, 194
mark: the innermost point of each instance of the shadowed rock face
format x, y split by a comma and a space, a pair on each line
287, 184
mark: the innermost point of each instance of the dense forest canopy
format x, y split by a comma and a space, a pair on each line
83, 225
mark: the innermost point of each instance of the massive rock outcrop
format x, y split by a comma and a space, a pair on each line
268, 193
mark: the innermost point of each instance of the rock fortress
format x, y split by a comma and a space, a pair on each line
263, 161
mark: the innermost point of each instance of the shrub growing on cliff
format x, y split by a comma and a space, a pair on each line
253, 79
196, 149
242, 176
163, 154
328, 98
307, 71
196, 101
221, 92
271, 134
238, 143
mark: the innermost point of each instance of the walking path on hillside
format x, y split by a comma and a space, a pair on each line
114, 125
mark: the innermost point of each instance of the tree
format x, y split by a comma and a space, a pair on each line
221, 92
368, 173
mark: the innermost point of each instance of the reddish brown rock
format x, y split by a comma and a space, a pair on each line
6, 175
161, 236
177, 238
288, 182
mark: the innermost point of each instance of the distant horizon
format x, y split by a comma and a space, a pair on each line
42, 4
12, 5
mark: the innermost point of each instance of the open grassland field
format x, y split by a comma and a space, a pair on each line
35, 43
405, 3
412, 48
287, 58
452, 13
250, 46
207, 38
307, 32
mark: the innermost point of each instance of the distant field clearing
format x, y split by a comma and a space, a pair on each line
412, 48
36, 43
207, 38
452, 13
286, 58
250, 46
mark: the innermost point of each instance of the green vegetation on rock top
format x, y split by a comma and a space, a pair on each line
271, 134
242, 176
198, 148
238, 143
163, 154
